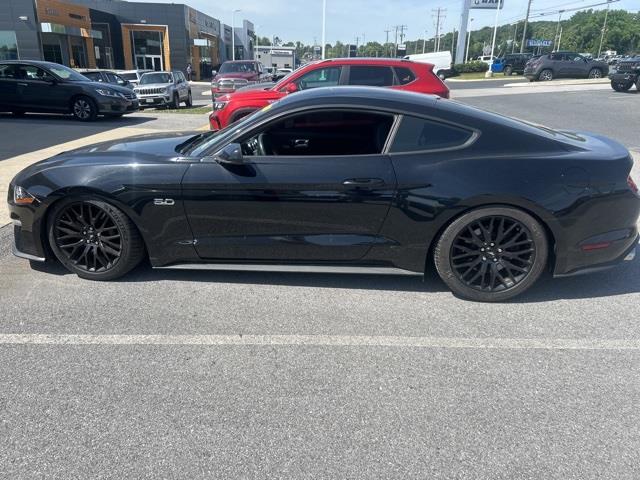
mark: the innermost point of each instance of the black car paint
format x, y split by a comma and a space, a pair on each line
270, 209
56, 97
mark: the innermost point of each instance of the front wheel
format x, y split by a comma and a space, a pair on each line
621, 86
84, 109
189, 102
508, 71
595, 73
491, 254
94, 239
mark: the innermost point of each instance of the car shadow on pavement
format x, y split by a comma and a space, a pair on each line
622, 280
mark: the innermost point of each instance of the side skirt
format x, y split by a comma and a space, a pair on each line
373, 270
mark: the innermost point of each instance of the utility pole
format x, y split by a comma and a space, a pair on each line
324, 28
515, 34
424, 42
604, 28
526, 22
395, 52
453, 43
555, 38
439, 14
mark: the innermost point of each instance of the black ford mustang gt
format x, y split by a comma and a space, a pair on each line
340, 179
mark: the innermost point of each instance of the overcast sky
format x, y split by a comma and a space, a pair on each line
302, 19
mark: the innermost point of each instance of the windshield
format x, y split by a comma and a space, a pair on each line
66, 73
238, 67
159, 77
216, 142
129, 76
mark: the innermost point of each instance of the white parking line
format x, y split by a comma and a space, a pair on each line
325, 340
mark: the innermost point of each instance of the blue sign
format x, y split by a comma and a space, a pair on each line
534, 42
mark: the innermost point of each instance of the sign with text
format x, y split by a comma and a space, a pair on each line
535, 42
488, 4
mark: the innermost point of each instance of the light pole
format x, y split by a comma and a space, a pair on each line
424, 42
604, 28
466, 59
324, 27
233, 34
493, 40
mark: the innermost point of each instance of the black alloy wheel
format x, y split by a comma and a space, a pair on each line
94, 239
546, 75
84, 109
621, 86
491, 254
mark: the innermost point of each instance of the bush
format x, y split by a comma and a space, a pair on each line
471, 67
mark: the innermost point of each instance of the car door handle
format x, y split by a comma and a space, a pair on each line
301, 143
363, 182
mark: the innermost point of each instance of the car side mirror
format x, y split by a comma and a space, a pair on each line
214, 73
231, 154
291, 88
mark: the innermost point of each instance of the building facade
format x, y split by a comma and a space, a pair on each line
118, 34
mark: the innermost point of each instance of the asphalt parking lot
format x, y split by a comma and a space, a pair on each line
178, 374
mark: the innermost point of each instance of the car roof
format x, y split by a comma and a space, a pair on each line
370, 61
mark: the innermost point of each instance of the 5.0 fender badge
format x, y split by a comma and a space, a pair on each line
164, 201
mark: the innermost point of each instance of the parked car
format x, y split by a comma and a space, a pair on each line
488, 59
627, 74
281, 73
132, 76
106, 76
340, 179
239, 73
34, 86
442, 62
511, 63
564, 65
164, 89
391, 73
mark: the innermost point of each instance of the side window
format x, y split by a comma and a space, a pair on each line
372, 76
321, 133
7, 71
322, 77
417, 134
556, 57
115, 79
405, 75
29, 72
93, 76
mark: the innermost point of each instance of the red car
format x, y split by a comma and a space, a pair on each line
236, 74
391, 73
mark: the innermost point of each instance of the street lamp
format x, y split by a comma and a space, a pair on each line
324, 27
233, 34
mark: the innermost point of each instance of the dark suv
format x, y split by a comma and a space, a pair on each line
564, 65
32, 86
627, 73
515, 63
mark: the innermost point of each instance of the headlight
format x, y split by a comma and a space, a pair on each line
219, 106
22, 197
108, 93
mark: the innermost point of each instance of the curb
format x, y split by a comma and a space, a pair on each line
588, 81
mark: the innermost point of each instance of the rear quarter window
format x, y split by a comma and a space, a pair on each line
417, 134
404, 75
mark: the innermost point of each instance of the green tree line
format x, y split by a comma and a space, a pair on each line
580, 33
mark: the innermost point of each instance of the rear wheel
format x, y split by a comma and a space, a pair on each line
595, 73
546, 75
621, 86
94, 239
84, 109
491, 254
508, 71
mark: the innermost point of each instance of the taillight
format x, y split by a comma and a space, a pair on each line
632, 185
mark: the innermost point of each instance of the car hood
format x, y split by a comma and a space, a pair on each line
142, 149
110, 86
252, 95
153, 85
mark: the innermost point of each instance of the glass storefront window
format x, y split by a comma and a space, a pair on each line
147, 42
8, 45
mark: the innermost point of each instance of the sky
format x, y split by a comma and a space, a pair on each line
293, 20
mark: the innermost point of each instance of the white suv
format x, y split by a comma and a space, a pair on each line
164, 89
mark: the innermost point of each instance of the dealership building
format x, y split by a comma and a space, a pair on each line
278, 57
118, 34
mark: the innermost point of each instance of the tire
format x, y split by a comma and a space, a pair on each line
508, 71
189, 102
595, 73
621, 86
84, 109
175, 103
497, 272
546, 75
638, 84
442, 76
90, 254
